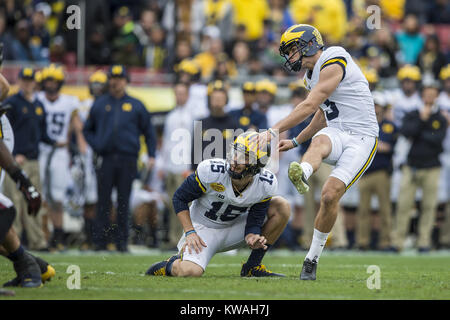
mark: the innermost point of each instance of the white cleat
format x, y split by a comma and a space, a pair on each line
297, 177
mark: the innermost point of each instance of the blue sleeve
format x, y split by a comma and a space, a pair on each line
149, 131
189, 190
89, 127
44, 134
11, 113
256, 216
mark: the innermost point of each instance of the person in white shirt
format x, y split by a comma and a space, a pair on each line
176, 152
403, 100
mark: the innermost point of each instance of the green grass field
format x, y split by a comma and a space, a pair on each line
340, 276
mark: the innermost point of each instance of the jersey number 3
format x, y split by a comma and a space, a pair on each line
332, 111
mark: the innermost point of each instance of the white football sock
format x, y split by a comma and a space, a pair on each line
317, 245
307, 169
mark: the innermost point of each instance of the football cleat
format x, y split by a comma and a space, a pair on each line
160, 268
47, 273
258, 271
308, 270
297, 177
28, 273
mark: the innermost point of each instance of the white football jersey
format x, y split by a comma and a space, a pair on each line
350, 107
7, 135
85, 108
402, 104
59, 113
219, 207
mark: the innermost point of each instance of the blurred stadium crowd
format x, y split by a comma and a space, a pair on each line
219, 59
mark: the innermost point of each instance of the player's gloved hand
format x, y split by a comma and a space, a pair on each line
285, 145
256, 241
193, 241
29, 191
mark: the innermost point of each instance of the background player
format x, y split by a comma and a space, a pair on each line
231, 200
62, 119
98, 86
344, 127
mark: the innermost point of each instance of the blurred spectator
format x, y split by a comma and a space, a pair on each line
143, 28
58, 53
329, 17
248, 116
182, 51
241, 55
220, 14
28, 121
23, 48
113, 113
40, 36
155, 53
98, 52
377, 181
426, 128
384, 40
444, 104
251, 14
217, 121
410, 40
431, 59
125, 44
152, 41
176, 153
211, 49
183, 18
225, 68
280, 16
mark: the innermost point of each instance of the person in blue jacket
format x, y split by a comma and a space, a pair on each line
113, 128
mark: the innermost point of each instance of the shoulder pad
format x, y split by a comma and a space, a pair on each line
269, 182
209, 171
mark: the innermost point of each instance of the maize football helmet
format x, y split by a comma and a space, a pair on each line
245, 150
305, 38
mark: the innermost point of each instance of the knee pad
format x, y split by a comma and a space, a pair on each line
7, 216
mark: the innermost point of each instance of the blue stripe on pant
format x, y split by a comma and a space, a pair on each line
117, 171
